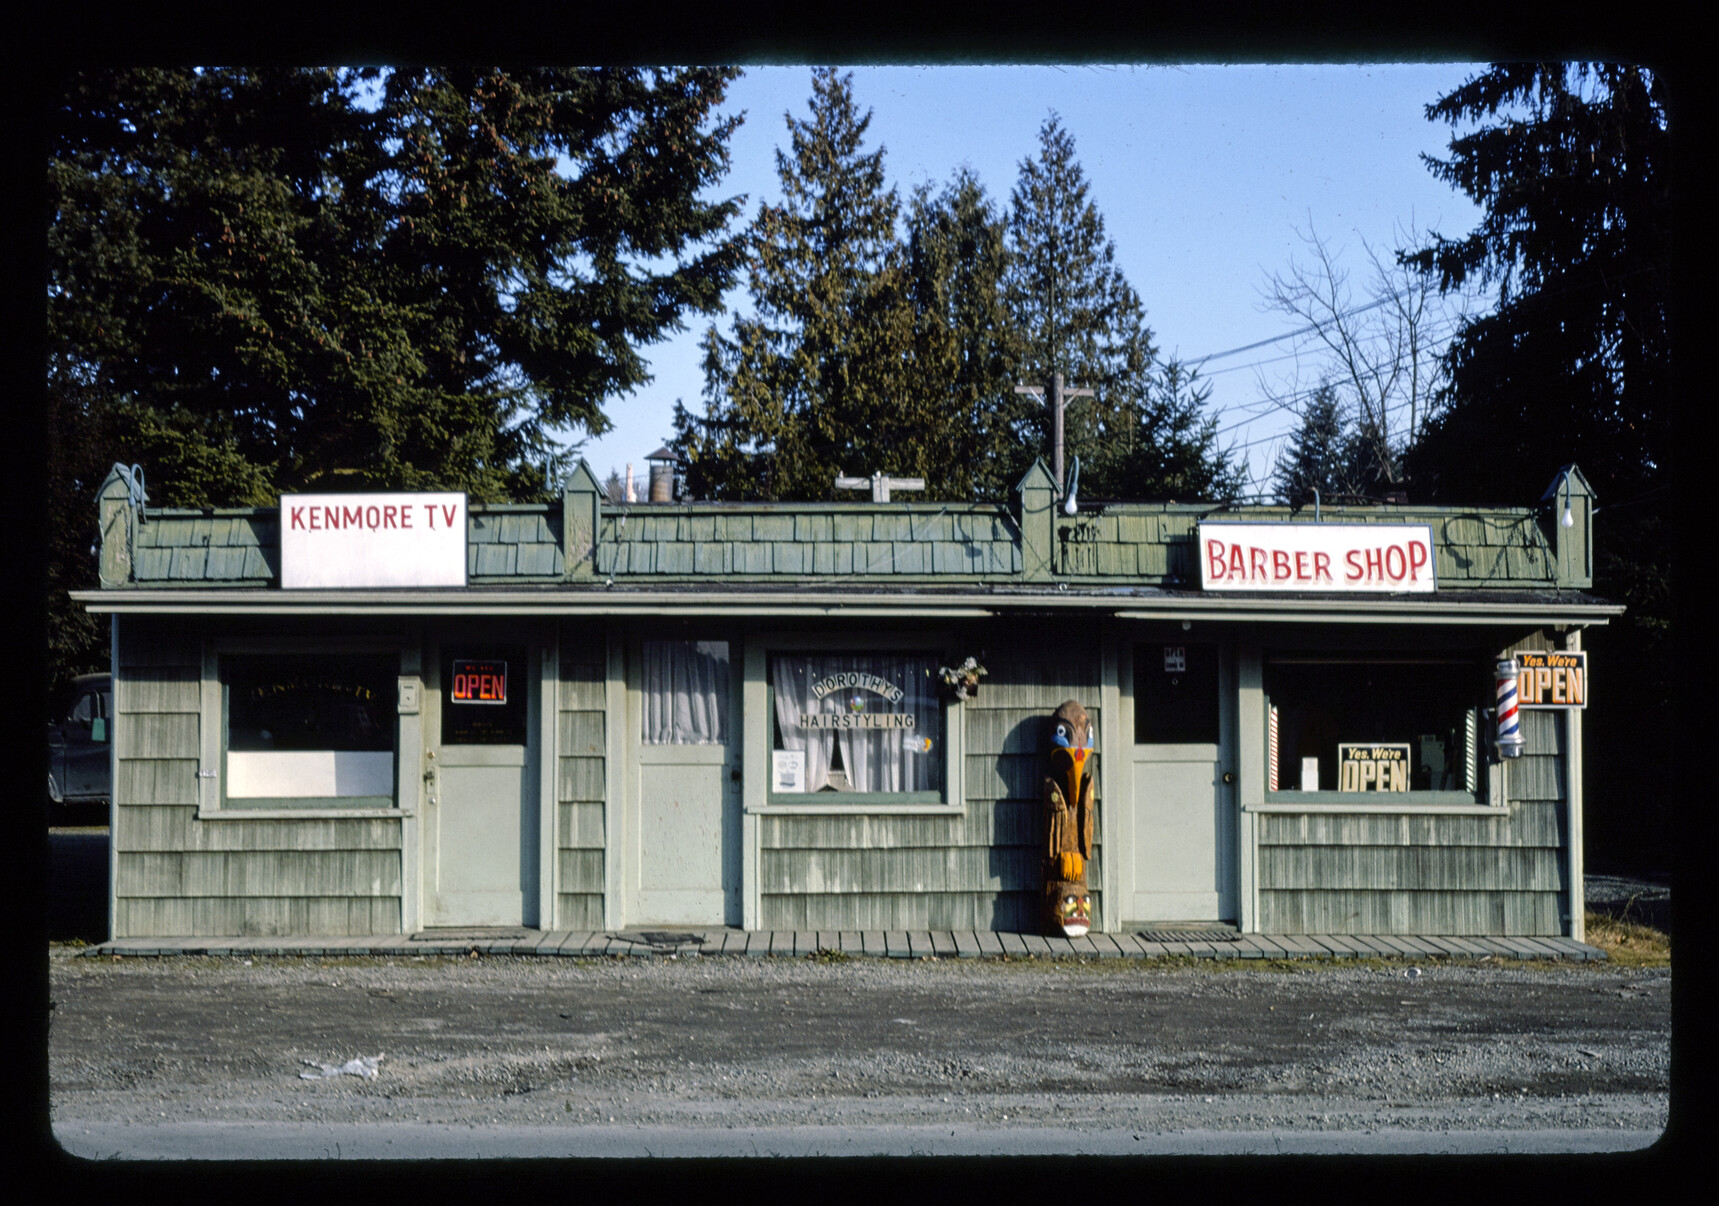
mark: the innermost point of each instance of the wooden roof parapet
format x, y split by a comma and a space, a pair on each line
584, 540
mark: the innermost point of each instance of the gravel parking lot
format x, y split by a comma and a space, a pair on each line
709, 1044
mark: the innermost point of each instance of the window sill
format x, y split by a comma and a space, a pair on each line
852, 804
1454, 803
302, 814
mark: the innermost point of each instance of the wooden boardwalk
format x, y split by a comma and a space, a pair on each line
894, 944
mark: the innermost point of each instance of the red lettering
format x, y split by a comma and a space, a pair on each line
1279, 565
1301, 574
352, 517
430, 510
1238, 564
406, 517
1419, 555
448, 514
1256, 562
298, 518
388, 514
1322, 566
1354, 573
316, 519
1396, 575
331, 518
1215, 560
1375, 563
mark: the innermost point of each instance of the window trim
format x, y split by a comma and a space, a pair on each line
212, 802
1491, 799
951, 798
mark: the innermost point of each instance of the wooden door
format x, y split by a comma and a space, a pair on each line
1183, 823
683, 816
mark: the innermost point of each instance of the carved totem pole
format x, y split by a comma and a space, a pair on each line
1069, 822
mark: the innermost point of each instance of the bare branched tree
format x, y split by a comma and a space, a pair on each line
1381, 355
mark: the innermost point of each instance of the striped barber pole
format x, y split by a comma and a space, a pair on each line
1510, 739
1273, 748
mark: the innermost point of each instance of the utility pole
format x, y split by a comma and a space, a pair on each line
1059, 396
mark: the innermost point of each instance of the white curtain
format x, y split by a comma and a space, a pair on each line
877, 760
792, 679
686, 692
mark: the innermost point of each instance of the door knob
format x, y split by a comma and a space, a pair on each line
1229, 777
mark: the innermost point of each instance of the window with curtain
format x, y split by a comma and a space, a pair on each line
685, 692
866, 723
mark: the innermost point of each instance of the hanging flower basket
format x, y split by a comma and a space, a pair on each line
961, 682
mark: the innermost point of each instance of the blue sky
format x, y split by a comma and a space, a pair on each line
1203, 175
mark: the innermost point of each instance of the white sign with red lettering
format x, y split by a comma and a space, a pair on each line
1324, 557
333, 540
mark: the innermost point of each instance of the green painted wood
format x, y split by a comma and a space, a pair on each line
156, 781
261, 873
953, 869
1009, 912
271, 917
579, 824
1411, 868
163, 828
163, 689
579, 779
1036, 496
984, 824
582, 911
157, 735
1526, 824
579, 872
581, 734
1445, 913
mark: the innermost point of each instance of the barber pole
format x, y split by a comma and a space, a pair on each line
1510, 739
1273, 749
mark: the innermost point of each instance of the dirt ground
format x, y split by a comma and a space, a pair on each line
731, 1041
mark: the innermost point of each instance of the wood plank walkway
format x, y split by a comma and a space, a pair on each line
894, 944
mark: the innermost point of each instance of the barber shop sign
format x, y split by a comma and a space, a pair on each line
1323, 557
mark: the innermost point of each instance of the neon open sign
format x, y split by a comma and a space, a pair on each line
479, 681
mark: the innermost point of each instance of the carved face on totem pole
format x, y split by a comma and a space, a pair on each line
1068, 822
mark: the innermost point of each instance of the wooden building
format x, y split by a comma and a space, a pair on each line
594, 716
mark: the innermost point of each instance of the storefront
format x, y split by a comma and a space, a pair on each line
382, 714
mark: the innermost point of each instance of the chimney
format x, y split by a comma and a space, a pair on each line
662, 463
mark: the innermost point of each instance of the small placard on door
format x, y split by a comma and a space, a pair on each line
1175, 659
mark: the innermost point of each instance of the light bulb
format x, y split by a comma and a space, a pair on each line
1569, 520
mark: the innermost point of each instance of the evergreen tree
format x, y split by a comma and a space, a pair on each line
1571, 165
1315, 458
1139, 435
813, 383
284, 278
281, 278
965, 341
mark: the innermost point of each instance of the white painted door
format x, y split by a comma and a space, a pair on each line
482, 830
1183, 823
683, 831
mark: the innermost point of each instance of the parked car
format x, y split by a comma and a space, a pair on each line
80, 768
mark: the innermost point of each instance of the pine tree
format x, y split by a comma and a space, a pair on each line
284, 278
965, 341
1139, 435
1314, 458
813, 383
1571, 164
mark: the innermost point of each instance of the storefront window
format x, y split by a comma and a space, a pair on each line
308, 729
862, 724
1374, 724
685, 692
